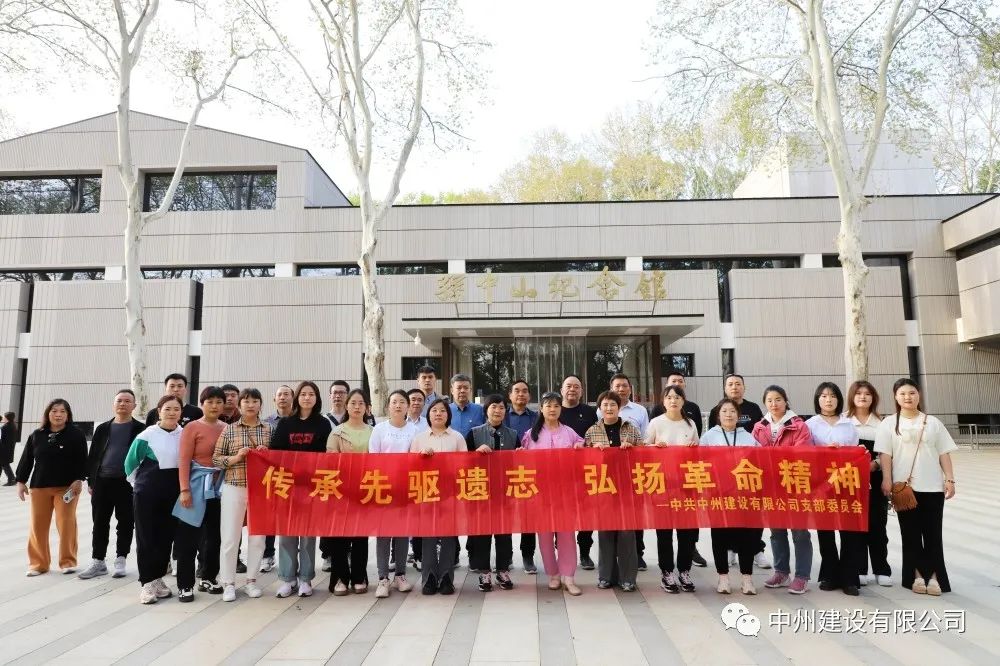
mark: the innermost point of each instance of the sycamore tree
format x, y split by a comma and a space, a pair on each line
837, 68
383, 76
115, 38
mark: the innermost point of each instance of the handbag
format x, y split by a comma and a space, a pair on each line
901, 494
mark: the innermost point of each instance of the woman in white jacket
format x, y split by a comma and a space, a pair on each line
745, 541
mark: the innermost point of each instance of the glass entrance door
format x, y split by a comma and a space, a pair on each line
495, 363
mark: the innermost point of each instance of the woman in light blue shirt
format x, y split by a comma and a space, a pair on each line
837, 570
745, 541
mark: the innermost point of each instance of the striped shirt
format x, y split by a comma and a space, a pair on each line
235, 437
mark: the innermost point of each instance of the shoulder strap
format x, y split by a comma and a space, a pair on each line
913, 465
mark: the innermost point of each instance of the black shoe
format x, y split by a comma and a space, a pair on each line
11, 483
504, 582
446, 586
851, 590
529, 564
603, 584
485, 583
241, 566
642, 564
210, 586
697, 559
185, 596
430, 586
586, 563
828, 586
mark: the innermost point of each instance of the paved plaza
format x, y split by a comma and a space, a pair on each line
57, 619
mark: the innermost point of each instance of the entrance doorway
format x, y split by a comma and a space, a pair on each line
543, 361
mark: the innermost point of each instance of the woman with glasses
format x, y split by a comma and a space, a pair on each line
55, 459
549, 433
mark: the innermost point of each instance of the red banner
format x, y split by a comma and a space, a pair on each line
328, 494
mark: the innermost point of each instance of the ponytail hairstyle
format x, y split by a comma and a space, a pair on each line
900, 383
536, 427
677, 390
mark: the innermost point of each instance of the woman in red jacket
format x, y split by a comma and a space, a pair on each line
782, 427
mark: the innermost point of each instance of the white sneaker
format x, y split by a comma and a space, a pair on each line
748, 587
734, 559
305, 589
884, 581
71, 570
382, 589
161, 589
760, 559
31, 573
863, 580
402, 584
266, 564
229, 592
724, 587
147, 595
119, 568
96, 568
252, 590
285, 590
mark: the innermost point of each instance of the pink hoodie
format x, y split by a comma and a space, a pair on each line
793, 431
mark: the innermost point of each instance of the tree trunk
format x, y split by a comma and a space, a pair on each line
855, 275
135, 321
373, 326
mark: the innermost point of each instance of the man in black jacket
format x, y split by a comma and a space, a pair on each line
176, 384
110, 491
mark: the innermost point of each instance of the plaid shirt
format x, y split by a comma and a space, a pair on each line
235, 437
596, 434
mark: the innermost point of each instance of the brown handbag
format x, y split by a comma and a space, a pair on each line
901, 494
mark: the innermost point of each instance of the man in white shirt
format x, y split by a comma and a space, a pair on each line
632, 412
414, 416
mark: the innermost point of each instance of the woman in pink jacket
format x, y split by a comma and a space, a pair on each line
549, 433
782, 427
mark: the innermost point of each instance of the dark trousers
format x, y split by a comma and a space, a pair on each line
349, 560
923, 547
685, 549
8, 472
112, 496
155, 526
840, 567
528, 544
876, 541
326, 547
585, 540
640, 543
269, 546
205, 541
437, 563
479, 552
744, 541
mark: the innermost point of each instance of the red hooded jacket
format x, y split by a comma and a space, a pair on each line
793, 432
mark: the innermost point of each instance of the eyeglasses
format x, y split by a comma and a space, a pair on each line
551, 395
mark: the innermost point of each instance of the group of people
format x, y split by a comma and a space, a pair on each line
179, 481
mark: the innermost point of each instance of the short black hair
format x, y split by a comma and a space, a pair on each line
340, 382
210, 392
836, 393
493, 399
230, 387
447, 408
676, 372
176, 375
426, 370
619, 375
126, 390
414, 391
516, 382
252, 394
398, 392
733, 374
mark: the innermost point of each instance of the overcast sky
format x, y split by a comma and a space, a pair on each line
555, 63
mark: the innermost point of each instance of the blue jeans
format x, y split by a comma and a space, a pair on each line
296, 558
803, 552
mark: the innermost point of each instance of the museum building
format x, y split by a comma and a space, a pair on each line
252, 280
